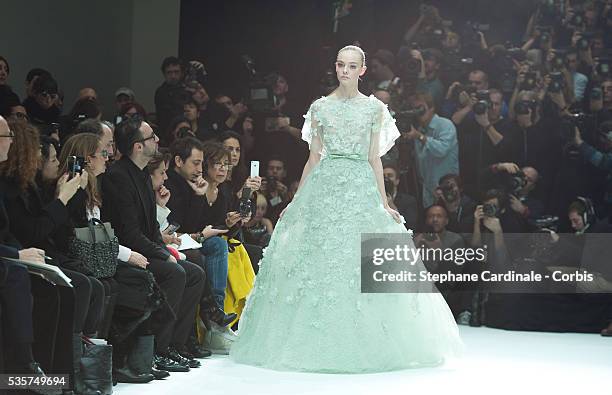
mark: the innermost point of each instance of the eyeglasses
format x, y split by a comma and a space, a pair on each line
151, 137
219, 165
103, 153
10, 135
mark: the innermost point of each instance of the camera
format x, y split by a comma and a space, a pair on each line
546, 222
603, 66
529, 83
545, 33
482, 105
260, 96
489, 210
557, 82
558, 61
271, 181
76, 164
409, 118
513, 183
522, 107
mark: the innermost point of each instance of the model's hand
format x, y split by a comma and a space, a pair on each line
394, 214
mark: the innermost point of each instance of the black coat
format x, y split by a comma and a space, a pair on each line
129, 204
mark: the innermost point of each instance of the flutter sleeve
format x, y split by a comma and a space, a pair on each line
311, 126
384, 131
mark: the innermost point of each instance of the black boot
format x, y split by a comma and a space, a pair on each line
140, 359
122, 373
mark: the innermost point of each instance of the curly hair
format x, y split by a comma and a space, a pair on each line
82, 145
23, 156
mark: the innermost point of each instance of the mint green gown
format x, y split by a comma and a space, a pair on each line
306, 311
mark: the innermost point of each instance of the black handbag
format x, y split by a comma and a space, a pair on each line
96, 247
96, 367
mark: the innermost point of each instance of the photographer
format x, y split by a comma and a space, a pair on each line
273, 187
435, 145
519, 183
382, 66
600, 103
458, 205
432, 59
478, 80
169, 97
601, 160
580, 80
481, 138
436, 236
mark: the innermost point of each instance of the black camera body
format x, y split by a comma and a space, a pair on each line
489, 210
557, 82
260, 96
409, 118
522, 107
546, 222
530, 81
483, 102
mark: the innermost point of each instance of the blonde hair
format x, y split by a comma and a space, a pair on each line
357, 49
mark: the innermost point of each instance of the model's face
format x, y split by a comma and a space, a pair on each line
159, 176
233, 146
191, 168
50, 166
6, 139
436, 219
576, 221
349, 67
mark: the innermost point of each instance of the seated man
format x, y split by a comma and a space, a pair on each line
188, 207
130, 206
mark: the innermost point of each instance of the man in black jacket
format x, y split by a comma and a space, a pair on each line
130, 206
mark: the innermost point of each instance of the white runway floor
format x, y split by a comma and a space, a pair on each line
495, 362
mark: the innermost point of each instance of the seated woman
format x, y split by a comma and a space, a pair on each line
212, 255
86, 206
240, 271
34, 221
259, 229
237, 180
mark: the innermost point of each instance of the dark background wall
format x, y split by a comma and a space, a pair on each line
296, 39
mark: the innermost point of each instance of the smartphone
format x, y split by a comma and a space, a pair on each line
75, 165
172, 228
254, 168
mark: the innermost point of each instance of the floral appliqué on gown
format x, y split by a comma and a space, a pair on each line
306, 311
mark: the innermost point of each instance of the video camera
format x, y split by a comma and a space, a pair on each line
409, 118
260, 96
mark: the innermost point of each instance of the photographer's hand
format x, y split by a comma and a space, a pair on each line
449, 92
517, 205
67, 189
493, 224
482, 120
413, 134
209, 231
478, 214
508, 167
